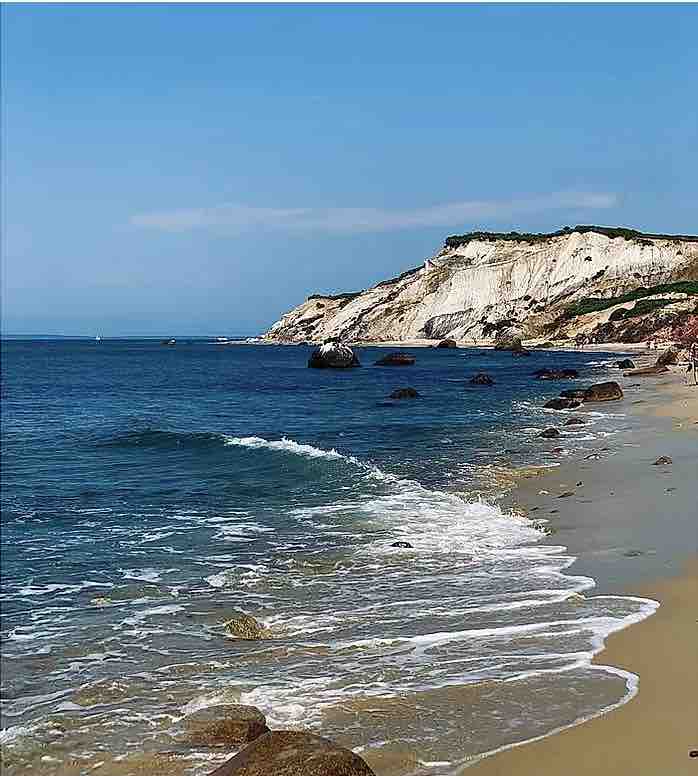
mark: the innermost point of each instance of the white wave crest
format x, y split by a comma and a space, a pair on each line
287, 445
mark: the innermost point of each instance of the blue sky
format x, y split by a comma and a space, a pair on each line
201, 169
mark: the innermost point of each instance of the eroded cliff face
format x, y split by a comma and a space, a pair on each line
473, 288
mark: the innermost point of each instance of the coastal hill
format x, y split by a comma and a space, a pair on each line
593, 283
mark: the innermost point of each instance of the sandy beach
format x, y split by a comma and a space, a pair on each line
632, 526
655, 731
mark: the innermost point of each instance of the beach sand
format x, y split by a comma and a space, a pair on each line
652, 734
634, 528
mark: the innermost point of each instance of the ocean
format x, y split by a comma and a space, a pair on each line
152, 493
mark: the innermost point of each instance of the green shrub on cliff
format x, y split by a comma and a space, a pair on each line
533, 238
642, 307
590, 304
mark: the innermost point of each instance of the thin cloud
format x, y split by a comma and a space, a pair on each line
236, 219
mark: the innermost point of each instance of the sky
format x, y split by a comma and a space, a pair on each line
183, 169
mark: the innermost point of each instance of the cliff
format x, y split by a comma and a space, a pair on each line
600, 283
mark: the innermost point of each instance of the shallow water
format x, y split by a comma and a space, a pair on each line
151, 492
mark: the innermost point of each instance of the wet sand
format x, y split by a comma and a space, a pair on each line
634, 528
652, 734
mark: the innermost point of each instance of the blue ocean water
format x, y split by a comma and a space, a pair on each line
150, 493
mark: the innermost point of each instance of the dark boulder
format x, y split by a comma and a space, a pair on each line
396, 359
404, 393
293, 753
447, 344
608, 391
404, 545
574, 422
481, 379
510, 342
549, 433
573, 393
229, 725
625, 363
669, 357
556, 374
333, 355
522, 352
561, 404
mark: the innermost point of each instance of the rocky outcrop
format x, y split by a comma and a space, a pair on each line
608, 391
292, 753
625, 363
333, 355
396, 359
229, 725
549, 433
447, 344
587, 281
481, 379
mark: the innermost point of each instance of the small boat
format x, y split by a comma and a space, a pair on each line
98, 338
168, 342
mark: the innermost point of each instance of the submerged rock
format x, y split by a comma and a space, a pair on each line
333, 355
556, 374
230, 725
294, 753
663, 460
574, 422
561, 404
447, 344
549, 433
625, 363
396, 359
404, 393
608, 391
245, 626
404, 545
481, 379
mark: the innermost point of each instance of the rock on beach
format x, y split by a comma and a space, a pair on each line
608, 391
230, 725
294, 753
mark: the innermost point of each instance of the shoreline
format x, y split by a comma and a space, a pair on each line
654, 729
530, 344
